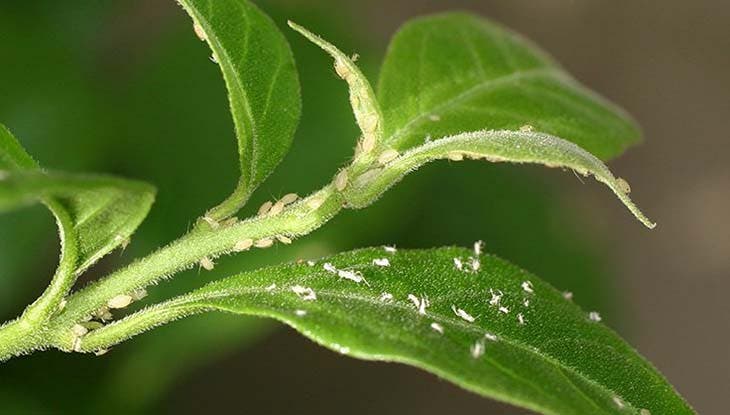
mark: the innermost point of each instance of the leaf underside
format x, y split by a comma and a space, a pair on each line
557, 361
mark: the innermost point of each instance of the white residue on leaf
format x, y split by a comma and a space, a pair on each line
594, 316
329, 268
503, 309
354, 276
305, 293
463, 314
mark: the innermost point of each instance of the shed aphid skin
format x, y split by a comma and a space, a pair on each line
526, 302
415, 300
103, 314
352, 276
341, 180
213, 59
386, 297
305, 293
122, 241
503, 309
455, 156
381, 262
390, 249
199, 32
437, 327
211, 222
491, 337
478, 247
568, 295
101, 352
463, 314
300, 313
521, 319
527, 287
243, 245
283, 239
78, 330
329, 268
594, 316
265, 208
420, 303
387, 156
475, 264
496, 297
271, 287
138, 294
207, 263
623, 185
458, 264
477, 349
120, 301
263, 243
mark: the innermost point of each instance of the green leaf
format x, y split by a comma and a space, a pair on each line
493, 328
494, 146
455, 72
263, 87
12, 155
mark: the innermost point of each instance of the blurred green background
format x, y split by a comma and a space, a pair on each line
125, 87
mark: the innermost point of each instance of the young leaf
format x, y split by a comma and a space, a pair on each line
263, 87
494, 146
487, 326
450, 73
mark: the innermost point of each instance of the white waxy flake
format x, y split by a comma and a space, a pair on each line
329, 268
271, 287
521, 319
458, 264
527, 287
477, 349
503, 309
120, 301
341, 180
283, 239
568, 295
390, 249
478, 247
351, 275
386, 297
78, 330
490, 337
300, 313
263, 243
206, 263
594, 316
463, 314
305, 293
496, 297
437, 327
243, 245
381, 262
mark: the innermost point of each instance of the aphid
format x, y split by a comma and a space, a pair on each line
289, 198
271, 287
305, 293
381, 262
434, 117
276, 208
623, 185
78, 330
243, 245
458, 264
284, 239
390, 249
490, 336
315, 202
120, 301
455, 156
199, 32
527, 287
310, 263
300, 313
329, 268
567, 295
263, 243
527, 128
370, 123
463, 314
368, 143
138, 294
206, 263
265, 208
477, 349
101, 352
437, 327
341, 180
386, 297
387, 156
341, 68
352, 276
618, 401
594, 316
478, 246
521, 319
496, 297
503, 309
